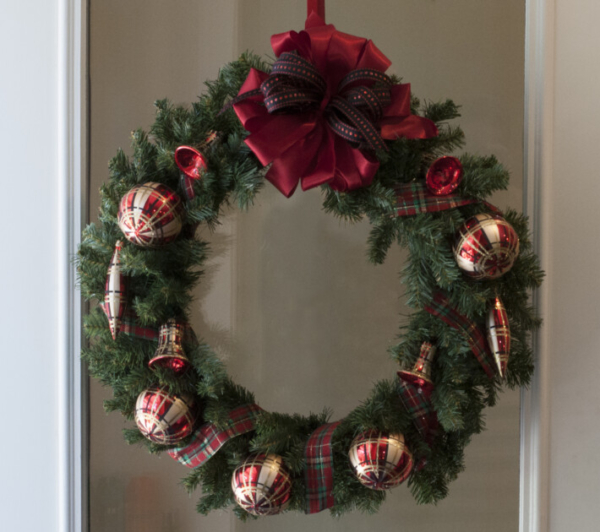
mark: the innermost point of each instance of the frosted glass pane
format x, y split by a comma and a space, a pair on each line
289, 300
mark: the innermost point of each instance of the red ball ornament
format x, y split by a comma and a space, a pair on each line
165, 418
150, 215
498, 335
380, 460
444, 175
190, 161
262, 485
486, 246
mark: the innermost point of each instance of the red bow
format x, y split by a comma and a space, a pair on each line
330, 130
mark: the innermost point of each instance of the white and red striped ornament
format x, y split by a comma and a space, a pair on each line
115, 292
498, 335
380, 460
151, 215
262, 485
486, 246
165, 418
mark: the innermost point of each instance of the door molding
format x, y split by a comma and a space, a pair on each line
73, 199
538, 138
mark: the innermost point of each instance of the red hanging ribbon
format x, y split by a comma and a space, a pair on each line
318, 6
325, 109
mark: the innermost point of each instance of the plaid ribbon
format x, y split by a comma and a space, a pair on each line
418, 405
440, 307
318, 469
208, 439
132, 328
415, 198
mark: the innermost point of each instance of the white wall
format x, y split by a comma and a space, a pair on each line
29, 267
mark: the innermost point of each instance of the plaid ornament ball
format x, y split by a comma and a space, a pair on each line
165, 418
150, 215
486, 246
262, 485
380, 460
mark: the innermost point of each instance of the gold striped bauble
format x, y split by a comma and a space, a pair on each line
163, 417
150, 215
486, 246
380, 460
262, 485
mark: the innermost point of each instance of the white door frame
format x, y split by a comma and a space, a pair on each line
73, 135
535, 409
72, 108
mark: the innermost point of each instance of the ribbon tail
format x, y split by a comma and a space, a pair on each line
324, 160
410, 127
272, 135
285, 172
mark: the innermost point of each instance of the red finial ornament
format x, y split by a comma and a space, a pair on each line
115, 292
498, 335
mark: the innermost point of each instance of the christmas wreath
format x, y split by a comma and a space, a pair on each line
324, 113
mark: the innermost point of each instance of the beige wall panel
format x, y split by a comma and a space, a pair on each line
570, 240
290, 301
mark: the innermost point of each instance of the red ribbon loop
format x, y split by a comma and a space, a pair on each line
324, 110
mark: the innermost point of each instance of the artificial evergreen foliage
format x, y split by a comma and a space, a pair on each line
161, 280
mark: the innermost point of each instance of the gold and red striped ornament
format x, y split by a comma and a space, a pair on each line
262, 485
170, 353
115, 292
151, 215
163, 417
498, 335
486, 246
380, 460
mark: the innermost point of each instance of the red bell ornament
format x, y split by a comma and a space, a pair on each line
498, 335
170, 353
262, 485
151, 215
190, 161
165, 418
486, 246
380, 460
115, 292
415, 389
420, 374
444, 175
